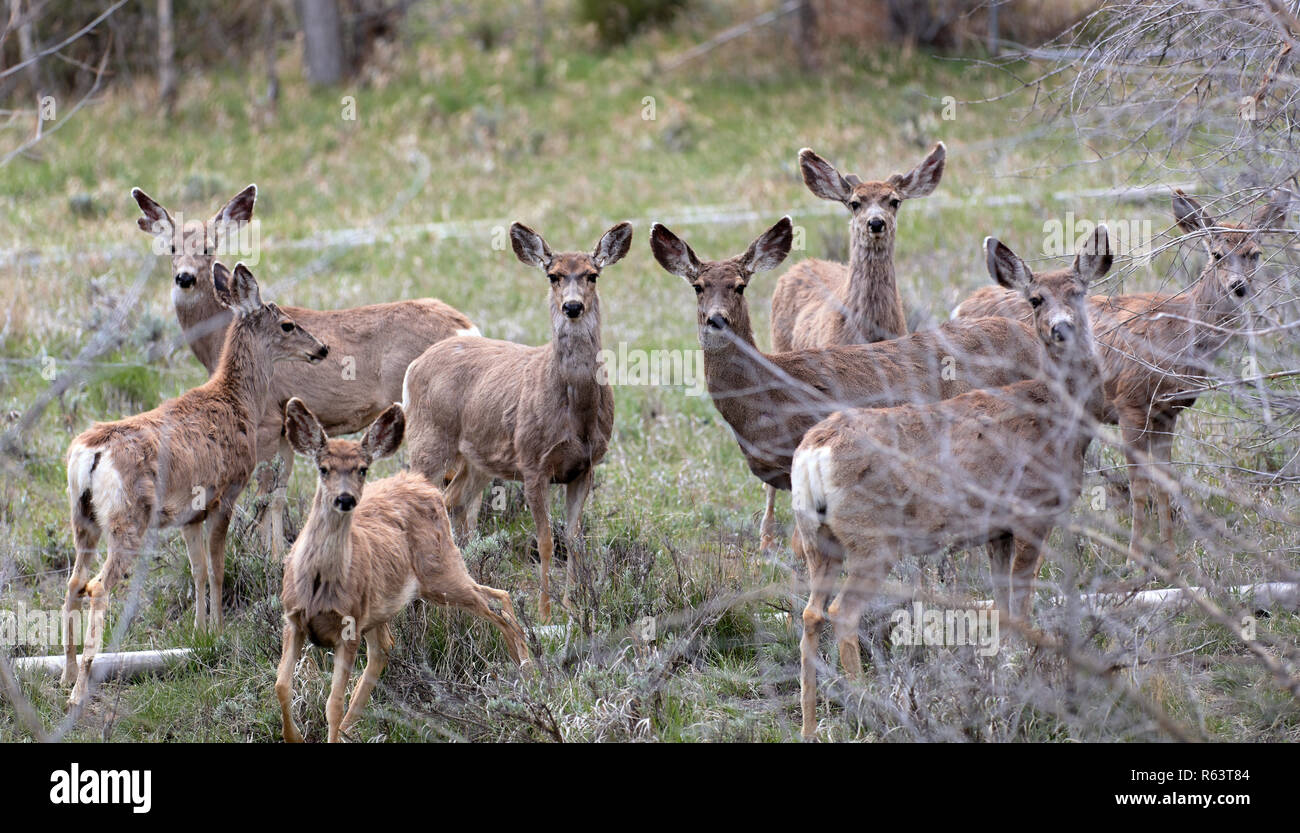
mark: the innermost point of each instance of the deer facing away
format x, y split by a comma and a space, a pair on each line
542, 414
364, 553
998, 466
371, 346
1154, 347
182, 464
770, 400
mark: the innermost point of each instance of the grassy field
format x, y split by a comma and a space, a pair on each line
454, 133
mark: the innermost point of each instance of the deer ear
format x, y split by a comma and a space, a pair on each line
1005, 266
385, 433
221, 283
1189, 214
156, 220
242, 294
821, 177
303, 429
1272, 214
673, 254
614, 245
529, 246
236, 212
924, 178
769, 248
1095, 260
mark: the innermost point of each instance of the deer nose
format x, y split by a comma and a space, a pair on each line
345, 502
573, 308
1062, 331
717, 322
185, 279
876, 225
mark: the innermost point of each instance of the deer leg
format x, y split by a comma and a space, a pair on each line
1162, 449
1000, 572
218, 526
575, 497
846, 615
478, 481
463, 500
290, 651
123, 544
279, 498
1136, 450
1024, 575
767, 529
535, 494
821, 580
196, 547
271, 451
345, 653
85, 535
379, 641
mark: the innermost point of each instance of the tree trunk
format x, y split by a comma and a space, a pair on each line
322, 33
166, 58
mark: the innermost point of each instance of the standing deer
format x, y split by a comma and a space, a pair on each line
540, 414
182, 464
370, 345
770, 400
1157, 347
818, 303
1000, 466
361, 558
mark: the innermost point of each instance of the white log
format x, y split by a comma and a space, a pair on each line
124, 665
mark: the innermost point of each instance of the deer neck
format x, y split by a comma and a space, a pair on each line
244, 372
574, 361
325, 554
204, 323
1208, 341
871, 301
735, 371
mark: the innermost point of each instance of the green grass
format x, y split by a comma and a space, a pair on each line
672, 522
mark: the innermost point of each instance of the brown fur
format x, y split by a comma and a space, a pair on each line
1155, 346
181, 464
352, 570
370, 346
771, 400
818, 303
541, 415
998, 466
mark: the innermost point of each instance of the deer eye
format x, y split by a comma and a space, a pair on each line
699, 290
286, 326
1217, 255
173, 248
362, 471
1036, 301
740, 290
592, 277
854, 205
1253, 255
554, 278
895, 202
324, 472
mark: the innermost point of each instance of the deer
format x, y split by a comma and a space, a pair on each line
1156, 348
183, 464
818, 303
371, 345
540, 414
999, 466
365, 551
771, 399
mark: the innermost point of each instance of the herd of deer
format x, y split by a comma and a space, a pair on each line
891, 442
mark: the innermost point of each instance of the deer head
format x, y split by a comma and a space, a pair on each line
721, 312
1227, 281
572, 274
342, 465
1059, 298
193, 244
873, 206
281, 337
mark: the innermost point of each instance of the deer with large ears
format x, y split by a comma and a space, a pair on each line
1156, 347
364, 553
771, 399
371, 345
541, 415
999, 466
182, 464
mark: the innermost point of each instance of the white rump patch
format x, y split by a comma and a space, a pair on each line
406, 390
808, 479
471, 331
107, 494
955, 314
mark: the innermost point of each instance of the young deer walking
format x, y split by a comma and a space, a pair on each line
542, 415
371, 346
1000, 466
1155, 347
182, 464
361, 558
770, 400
